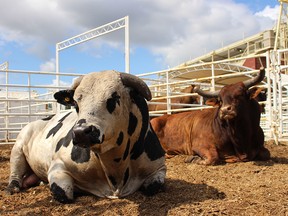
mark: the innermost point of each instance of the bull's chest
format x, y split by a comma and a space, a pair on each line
108, 179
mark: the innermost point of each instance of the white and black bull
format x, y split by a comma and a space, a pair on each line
106, 147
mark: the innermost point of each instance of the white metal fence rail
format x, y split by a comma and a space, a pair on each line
28, 95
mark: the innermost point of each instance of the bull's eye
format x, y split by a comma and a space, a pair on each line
111, 102
80, 97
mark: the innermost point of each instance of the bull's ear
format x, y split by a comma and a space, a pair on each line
65, 97
212, 102
252, 93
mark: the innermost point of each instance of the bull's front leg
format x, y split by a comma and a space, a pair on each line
61, 183
154, 183
203, 154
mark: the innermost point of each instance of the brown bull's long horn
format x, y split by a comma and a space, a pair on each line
207, 94
136, 83
253, 81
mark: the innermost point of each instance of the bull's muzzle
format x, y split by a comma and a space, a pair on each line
227, 112
85, 136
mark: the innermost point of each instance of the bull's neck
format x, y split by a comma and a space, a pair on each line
116, 166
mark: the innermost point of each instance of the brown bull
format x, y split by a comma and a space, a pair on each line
228, 132
182, 99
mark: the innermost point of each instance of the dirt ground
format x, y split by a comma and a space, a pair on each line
251, 188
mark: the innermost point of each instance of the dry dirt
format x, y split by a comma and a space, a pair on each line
251, 188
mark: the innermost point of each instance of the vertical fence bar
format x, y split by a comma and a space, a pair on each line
7, 106
269, 92
127, 46
280, 94
213, 74
29, 97
168, 93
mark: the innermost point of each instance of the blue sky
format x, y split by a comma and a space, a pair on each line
163, 33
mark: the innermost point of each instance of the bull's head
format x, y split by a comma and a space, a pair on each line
231, 97
104, 106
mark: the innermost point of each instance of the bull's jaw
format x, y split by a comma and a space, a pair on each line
227, 117
105, 146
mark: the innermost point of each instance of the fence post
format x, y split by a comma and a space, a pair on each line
168, 93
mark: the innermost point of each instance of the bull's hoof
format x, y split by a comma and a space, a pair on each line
193, 159
13, 187
168, 156
59, 194
152, 189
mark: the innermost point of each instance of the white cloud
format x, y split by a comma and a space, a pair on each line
61, 83
48, 66
269, 12
173, 30
268, 17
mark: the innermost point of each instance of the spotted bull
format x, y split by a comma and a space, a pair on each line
105, 146
229, 132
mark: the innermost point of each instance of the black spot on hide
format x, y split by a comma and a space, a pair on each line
64, 117
59, 194
126, 176
55, 129
48, 118
111, 102
80, 155
152, 146
113, 181
138, 147
65, 141
142, 106
132, 123
76, 108
120, 138
126, 150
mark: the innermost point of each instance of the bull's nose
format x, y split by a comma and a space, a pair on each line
86, 135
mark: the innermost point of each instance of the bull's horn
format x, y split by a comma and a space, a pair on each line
255, 80
137, 84
207, 94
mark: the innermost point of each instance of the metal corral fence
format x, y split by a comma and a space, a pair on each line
28, 95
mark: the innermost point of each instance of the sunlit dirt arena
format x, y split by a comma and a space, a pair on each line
251, 188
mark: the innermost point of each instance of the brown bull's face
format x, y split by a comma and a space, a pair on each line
230, 98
